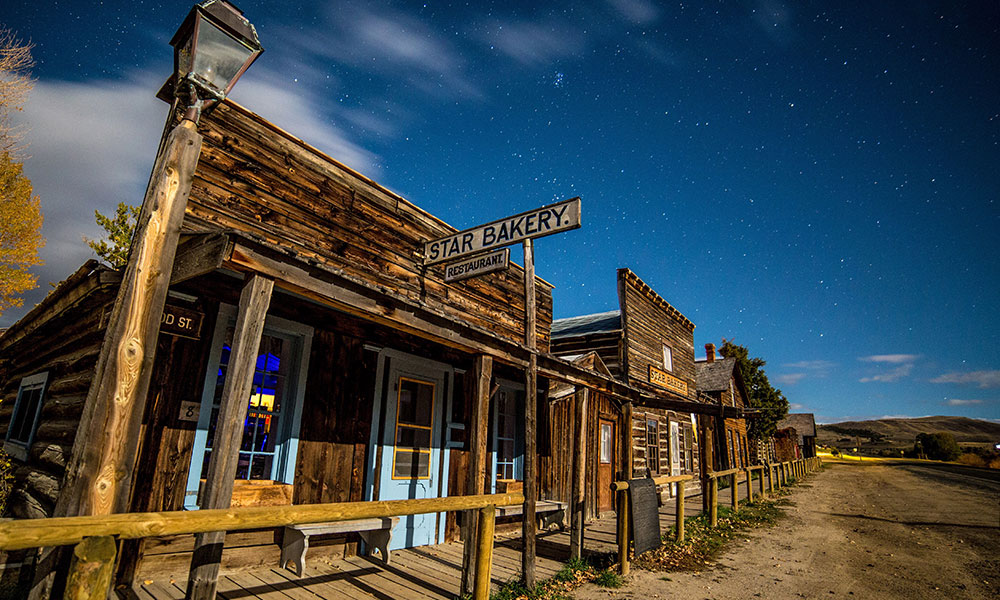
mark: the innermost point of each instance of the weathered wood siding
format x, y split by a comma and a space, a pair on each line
255, 178
63, 336
649, 323
607, 345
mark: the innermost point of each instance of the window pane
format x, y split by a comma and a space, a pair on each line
412, 437
416, 403
411, 464
24, 420
242, 467
605, 443
260, 466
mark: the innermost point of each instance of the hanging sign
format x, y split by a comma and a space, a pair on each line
540, 222
482, 264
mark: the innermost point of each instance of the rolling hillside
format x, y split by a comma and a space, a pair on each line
902, 432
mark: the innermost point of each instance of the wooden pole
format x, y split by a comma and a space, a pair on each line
91, 568
484, 552
98, 479
749, 485
530, 422
218, 489
626, 441
713, 501
679, 511
623, 532
579, 475
735, 489
476, 476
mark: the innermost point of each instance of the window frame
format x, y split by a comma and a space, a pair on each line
518, 396
668, 358
19, 448
653, 450
688, 432
286, 451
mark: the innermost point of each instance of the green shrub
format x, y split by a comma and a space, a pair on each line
608, 578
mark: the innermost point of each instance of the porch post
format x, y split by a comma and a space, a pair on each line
530, 421
218, 489
579, 482
475, 479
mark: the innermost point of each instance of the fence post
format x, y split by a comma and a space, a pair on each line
679, 526
713, 502
749, 485
484, 552
762, 492
90, 569
623, 532
735, 489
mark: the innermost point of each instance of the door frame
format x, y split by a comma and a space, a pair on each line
415, 364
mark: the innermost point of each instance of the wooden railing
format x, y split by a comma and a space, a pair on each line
782, 472
93, 536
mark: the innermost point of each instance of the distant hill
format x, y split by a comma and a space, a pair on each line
902, 432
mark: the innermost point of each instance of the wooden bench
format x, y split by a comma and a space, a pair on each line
549, 511
376, 532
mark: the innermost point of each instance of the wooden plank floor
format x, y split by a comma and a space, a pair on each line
422, 573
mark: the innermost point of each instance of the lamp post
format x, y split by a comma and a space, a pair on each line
212, 49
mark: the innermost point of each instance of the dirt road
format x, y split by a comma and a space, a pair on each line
869, 530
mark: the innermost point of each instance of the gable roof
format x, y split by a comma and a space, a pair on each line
604, 322
804, 424
714, 376
588, 360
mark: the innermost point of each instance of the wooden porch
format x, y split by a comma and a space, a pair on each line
424, 573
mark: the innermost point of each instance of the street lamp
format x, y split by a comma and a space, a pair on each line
213, 47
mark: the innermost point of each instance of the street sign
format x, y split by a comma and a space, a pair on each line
561, 216
498, 260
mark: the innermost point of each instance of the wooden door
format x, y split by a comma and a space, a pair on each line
605, 465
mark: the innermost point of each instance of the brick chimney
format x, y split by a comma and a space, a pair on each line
710, 352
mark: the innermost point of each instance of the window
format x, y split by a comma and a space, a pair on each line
606, 444
270, 428
668, 358
653, 445
688, 450
24, 420
732, 450
411, 457
507, 444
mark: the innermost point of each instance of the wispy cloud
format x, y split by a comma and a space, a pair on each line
960, 402
889, 376
981, 379
640, 12
819, 365
534, 43
795, 406
790, 378
895, 359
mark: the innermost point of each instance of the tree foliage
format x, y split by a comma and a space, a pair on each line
937, 446
15, 84
20, 233
771, 404
113, 249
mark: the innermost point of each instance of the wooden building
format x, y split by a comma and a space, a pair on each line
370, 375
804, 425
721, 384
647, 344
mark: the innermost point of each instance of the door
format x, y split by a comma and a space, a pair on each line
410, 448
675, 449
605, 466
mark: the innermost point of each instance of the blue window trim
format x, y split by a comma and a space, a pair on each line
17, 448
284, 467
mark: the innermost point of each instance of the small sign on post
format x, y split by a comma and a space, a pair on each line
498, 260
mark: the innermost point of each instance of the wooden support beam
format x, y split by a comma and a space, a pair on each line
579, 476
484, 552
679, 513
623, 524
734, 487
530, 422
91, 568
713, 501
199, 255
626, 441
749, 485
482, 371
218, 488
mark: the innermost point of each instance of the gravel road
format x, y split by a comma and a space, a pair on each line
867, 531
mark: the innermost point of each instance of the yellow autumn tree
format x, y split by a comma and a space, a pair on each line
20, 213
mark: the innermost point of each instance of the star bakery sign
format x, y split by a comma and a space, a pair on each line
540, 222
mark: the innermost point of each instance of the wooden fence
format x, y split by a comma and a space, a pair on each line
777, 474
94, 536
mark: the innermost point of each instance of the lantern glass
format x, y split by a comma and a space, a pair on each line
219, 58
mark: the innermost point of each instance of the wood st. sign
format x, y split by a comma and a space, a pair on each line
561, 216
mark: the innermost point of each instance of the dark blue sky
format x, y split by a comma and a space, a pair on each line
817, 181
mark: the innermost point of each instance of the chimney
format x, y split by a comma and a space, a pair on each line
710, 352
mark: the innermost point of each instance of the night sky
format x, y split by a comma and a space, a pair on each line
816, 181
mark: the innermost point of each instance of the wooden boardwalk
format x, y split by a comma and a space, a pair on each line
422, 573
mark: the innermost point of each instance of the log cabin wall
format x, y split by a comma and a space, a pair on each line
61, 336
255, 178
